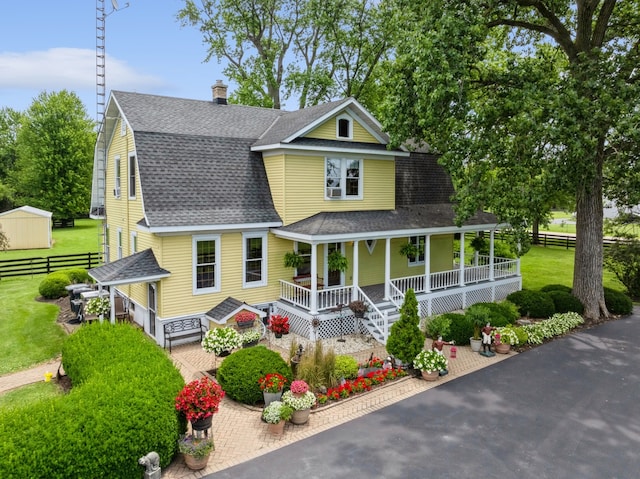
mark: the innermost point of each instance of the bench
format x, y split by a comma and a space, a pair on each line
183, 328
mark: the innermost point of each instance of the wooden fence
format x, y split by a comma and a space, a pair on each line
564, 240
48, 264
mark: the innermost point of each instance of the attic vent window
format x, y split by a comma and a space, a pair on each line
344, 129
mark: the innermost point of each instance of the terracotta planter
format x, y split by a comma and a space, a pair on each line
270, 397
276, 429
195, 464
502, 348
301, 416
430, 375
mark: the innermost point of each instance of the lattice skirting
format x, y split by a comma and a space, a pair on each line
330, 325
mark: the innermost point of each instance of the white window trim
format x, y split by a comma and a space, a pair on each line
343, 179
134, 242
194, 262
371, 245
263, 265
350, 120
119, 237
132, 191
117, 177
418, 262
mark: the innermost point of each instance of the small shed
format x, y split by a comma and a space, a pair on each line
27, 228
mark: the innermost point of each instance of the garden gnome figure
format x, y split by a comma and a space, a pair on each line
486, 341
437, 346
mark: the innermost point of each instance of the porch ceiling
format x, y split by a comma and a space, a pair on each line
416, 219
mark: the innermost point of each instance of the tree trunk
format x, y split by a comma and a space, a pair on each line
535, 232
588, 263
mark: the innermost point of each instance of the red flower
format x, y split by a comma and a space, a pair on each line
272, 382
245, 317
279, 324
199, 399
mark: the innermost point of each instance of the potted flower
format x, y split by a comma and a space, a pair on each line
245, 319
221, 341
300, 399
199, 401
279, 325
359, 308
196, 451
271, 386
275, 414
410, 250
250, 338
430, 363
504, 338
478, 316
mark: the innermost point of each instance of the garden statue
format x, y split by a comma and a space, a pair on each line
151, 462
437, 345
486, 341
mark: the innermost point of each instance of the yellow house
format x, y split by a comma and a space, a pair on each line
202, 200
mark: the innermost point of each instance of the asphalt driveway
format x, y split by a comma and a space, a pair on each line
567, 409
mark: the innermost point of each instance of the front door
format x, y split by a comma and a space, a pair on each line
152, 303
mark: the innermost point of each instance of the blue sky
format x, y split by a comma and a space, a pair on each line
51, 45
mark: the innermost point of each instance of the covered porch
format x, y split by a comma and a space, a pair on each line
446, 280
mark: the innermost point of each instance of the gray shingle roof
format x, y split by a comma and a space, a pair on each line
131, 269
163, 114
224, 309
192, 180
383, 221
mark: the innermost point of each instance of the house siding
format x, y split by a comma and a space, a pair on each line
304, 188
327, 131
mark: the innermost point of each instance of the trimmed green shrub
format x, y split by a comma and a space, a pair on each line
565, 302
534, 304
617, 302
405, 338
122, 406
346, 367
240, 372
555, 287
438, 326
460, 329
78, 275
52, 286
501, 314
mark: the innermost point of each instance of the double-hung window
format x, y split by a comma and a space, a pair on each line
418, 242
117, 171
132, 176
255, 264
343, 178
206, 264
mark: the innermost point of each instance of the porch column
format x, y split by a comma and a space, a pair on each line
387, 267
491, 257
112, 302
356, 266
461, 279
476, 253
313, 304
427, 264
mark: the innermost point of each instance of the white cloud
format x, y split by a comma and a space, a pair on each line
68, 68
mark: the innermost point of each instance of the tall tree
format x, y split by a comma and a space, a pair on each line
312, 50
55, 155
9, 127
520, 91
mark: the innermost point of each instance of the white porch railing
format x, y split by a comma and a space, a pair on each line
332, 297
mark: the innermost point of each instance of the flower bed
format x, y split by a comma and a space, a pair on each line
360, 385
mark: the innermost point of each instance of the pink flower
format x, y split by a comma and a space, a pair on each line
299, 387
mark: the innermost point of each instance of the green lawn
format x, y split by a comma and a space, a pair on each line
554, 265
28, 331
28, 394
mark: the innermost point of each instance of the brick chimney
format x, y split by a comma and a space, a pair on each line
219, 93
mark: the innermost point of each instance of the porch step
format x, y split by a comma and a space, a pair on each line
392, 314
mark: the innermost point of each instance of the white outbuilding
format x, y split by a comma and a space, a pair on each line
27, 228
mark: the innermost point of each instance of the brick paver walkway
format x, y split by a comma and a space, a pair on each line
238, 430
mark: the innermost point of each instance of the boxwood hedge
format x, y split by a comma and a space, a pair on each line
120, 408
239, 373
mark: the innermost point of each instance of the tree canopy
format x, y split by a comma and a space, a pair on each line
525, 99
312, 50
55, 142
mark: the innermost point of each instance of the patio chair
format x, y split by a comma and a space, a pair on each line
121, 309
